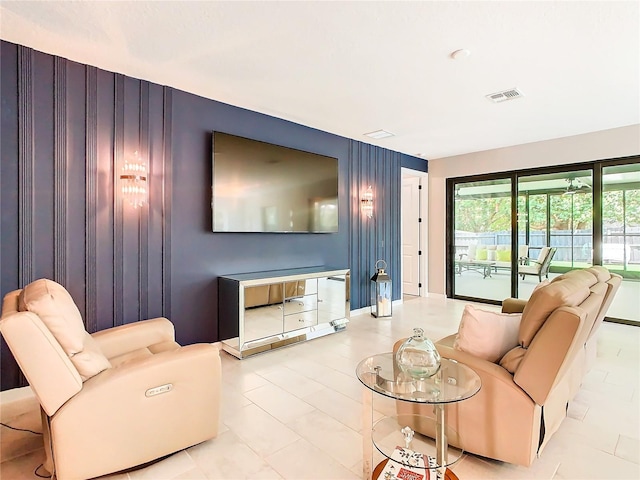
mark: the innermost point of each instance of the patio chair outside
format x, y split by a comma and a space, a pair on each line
539, 267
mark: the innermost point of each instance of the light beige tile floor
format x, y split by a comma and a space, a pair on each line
296, 413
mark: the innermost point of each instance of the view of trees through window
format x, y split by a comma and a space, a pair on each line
621, 219
480, 215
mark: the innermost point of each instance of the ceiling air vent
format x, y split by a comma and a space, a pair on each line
505, 95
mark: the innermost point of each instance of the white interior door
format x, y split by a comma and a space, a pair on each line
410, 235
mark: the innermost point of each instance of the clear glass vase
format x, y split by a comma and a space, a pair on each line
418, 356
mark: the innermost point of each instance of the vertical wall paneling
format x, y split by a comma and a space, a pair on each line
66, 130
394, 217
10, 244
60, 171
375, 238
356, 233
352, 207
143, 217
104, 259
368, 167
118, 221
167, 178
25, 165
381, 221
91, 198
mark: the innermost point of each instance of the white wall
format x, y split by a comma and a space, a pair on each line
606, 144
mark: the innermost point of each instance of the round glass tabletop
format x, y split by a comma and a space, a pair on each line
452, 383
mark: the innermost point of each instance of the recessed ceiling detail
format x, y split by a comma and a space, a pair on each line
378, 134
505, 95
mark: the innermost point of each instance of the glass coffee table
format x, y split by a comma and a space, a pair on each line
413, 432
481, 266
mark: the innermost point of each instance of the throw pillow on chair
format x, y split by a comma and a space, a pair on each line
487, 335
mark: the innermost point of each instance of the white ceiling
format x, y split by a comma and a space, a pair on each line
354, 67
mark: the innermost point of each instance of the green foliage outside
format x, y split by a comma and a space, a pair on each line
614, 208
568, 212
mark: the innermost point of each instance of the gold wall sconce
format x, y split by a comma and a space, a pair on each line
134, 181
366, 202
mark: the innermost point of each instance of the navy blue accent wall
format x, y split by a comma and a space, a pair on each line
414, 163
67, 129
376, 238
200, 256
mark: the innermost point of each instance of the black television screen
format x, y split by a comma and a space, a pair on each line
261, 187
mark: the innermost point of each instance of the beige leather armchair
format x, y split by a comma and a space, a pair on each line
115, 399
524, 396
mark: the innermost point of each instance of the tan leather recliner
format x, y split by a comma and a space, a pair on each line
524, 397
115, 399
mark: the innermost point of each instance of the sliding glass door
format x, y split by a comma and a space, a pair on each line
508, 232
620, 250
555, 213
571, 221
482, 244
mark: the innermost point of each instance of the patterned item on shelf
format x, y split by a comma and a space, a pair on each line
406, 464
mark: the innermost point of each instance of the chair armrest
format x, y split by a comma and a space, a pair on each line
133, 336
190, 364
115, 406
513, 305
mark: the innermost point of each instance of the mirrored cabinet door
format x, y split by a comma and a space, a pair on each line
332, 298
262, 311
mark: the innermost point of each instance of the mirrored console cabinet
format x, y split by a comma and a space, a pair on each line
262, 311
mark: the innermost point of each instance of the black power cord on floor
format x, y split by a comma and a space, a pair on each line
20, 429
35, 472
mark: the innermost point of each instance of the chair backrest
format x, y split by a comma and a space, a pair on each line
523, 251
542, 255
46, 366
613, 282
471, 252
546, 262
555, 324
45, 332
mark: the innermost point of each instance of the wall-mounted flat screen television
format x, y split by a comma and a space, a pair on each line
261, 187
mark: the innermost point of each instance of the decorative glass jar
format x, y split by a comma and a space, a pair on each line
418, 356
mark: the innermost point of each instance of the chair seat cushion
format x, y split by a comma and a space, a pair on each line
532, 269
57, 310
487, 335
141, 353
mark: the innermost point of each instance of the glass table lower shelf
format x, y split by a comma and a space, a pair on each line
416, 433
